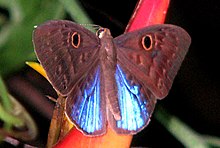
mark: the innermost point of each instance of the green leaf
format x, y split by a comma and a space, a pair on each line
186, 135
16, 37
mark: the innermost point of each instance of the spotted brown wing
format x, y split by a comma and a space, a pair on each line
147, 62
154, 55
66, 51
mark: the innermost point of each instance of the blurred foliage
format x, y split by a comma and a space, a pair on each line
16, 30
14, 117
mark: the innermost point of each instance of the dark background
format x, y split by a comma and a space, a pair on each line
195, 95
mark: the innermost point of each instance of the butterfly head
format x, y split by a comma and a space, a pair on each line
103, 32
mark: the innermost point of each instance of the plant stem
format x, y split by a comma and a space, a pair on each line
76, 11
187, 136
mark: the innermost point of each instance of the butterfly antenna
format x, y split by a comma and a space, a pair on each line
92, 27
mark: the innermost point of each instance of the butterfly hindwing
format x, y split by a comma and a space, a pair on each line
135, 104
65, 50
154, 54
85, 106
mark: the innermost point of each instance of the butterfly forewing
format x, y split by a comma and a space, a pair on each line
155, 60
65, 50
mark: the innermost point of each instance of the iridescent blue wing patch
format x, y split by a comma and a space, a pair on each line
134, 105
84, 105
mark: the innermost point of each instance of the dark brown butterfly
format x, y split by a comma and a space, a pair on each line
106, 80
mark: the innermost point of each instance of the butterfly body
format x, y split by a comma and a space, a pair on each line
108, 63
110, 81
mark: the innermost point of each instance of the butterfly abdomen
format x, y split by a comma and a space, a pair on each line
108, 69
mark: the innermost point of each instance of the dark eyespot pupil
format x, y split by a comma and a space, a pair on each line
75, 40
147, 42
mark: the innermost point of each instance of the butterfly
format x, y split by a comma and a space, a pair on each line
110, 81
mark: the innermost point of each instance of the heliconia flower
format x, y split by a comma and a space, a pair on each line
77, 140
148, 12
38, 68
